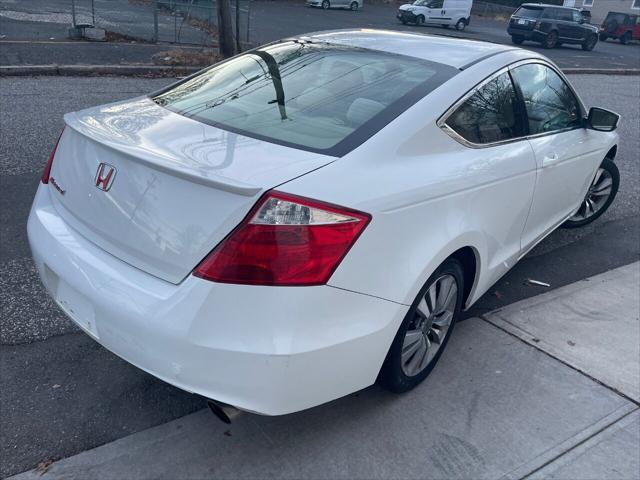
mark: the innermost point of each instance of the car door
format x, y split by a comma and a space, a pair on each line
567, 154
434, 13
500, 165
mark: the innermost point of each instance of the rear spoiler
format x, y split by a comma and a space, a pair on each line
164, 163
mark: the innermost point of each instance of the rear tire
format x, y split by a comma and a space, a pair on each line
326, 5
403, 353
354, 6
606, 181
461, 25
517, 39
590, 42
551, 40
626, 38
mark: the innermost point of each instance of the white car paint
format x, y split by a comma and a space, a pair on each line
440, 12
119, 262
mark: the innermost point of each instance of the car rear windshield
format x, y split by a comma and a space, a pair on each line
528, 12
315, 96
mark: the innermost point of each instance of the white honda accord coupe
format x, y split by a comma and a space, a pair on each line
290, 225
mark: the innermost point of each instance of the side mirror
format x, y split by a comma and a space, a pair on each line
602, 120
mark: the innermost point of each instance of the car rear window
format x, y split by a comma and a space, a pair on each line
528, 12
311, 95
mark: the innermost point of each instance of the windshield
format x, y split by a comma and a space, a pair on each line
422, 3
528, 12
316, 96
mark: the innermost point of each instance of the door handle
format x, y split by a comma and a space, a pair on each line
550, 159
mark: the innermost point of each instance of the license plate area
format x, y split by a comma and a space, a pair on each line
77, 307
522, 22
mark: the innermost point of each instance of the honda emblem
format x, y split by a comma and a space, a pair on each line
104, 176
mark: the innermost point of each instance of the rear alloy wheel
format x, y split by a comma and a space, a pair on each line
425, 330
517, 39
551, 40
590, 42
326, 4
460, 26
354, 6
601, 193
626, 38
419, 20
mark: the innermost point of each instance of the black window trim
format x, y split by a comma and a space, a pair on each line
443, 73
442, 121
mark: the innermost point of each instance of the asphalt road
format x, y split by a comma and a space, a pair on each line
26, 30
61, 393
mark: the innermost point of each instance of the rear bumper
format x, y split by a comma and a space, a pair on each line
270, 350
534, 35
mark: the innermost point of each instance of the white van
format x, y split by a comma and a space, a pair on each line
437, 12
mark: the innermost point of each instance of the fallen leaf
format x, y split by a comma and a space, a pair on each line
227, 433
571, 344
56, 386
497, 294
44, 466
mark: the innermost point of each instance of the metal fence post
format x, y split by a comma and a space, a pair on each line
73, 12
248, 19
155, 21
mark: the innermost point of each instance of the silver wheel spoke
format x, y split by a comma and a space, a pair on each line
443, 320
423, 309
447, 289
414, 361
431, 297
600, 190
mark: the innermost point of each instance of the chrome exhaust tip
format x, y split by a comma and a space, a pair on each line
223, 411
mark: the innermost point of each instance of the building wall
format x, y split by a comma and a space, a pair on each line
600, 8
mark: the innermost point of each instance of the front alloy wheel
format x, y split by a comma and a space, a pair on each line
601, 193
425, 330
326, 4
551, 40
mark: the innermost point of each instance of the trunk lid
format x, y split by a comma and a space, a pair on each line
178, 186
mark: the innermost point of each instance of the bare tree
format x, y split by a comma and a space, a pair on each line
225, 29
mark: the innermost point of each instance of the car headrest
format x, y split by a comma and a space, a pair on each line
362, 109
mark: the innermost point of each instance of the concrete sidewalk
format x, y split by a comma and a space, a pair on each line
509, 399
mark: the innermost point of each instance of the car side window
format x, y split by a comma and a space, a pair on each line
550, 103
564, 15
548, 13
577, 16
489, 115
435, 4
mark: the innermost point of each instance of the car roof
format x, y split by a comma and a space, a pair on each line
455, 52
546, 5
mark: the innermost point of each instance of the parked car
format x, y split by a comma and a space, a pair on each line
287, 226
551, 26
437, 12
620, 26
327, 4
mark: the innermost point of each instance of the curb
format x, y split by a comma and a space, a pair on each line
601, 71
91, 70
172, 71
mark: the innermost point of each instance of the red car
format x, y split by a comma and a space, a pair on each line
623, 26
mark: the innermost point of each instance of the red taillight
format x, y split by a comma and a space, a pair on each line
47, 168
285, 240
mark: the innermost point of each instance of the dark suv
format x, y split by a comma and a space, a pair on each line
551, 25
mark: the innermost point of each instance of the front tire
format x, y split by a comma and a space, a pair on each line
326, 5
599, 197
589, 43
626, 38
419, 20
354, 6
551, 40
425, 330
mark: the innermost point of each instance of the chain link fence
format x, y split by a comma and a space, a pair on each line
182, 22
